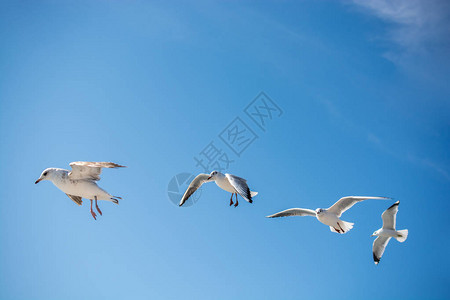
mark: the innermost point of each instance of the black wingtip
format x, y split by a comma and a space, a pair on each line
395, 204
376, 259
249, 195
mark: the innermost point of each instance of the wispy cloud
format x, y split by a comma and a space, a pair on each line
414, 25
426, 162
347, 123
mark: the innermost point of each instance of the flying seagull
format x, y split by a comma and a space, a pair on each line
81, 182
230, 183
329, 216
387, 232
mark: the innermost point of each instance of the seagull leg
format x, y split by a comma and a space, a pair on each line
340, 227
231, 200
96, 206
92, 212
237, 203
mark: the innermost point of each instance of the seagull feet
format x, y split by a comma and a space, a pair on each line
341, 228
231, 200
92, 211
93, 214
98, 209
96, 206
236, 204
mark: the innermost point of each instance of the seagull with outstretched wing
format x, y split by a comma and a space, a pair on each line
230, 183
387, 232
81, 182
329, 216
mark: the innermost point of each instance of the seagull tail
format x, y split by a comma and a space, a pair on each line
253, 194
342, 227
402, 235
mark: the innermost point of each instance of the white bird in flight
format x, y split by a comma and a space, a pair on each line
230, 183
329, 216
81, 182
387, 232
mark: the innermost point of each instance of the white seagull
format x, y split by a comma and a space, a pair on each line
329, 216
387, 232
81, 182
230, 183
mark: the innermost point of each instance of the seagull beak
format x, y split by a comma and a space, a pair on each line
209, 177
37, 181
373, 235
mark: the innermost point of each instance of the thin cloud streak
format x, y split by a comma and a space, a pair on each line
377, 142
416, 24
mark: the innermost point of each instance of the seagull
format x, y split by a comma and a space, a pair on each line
387, 232
230, 183
81, 182
329, 216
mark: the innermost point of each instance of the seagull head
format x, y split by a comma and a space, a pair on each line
213, 175
319, 211
46, 175
376, 233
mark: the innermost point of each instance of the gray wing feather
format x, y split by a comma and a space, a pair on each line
379, 245
193, 186
78, 200
389, 216
294, 212
345, 203
89, 169
240, 185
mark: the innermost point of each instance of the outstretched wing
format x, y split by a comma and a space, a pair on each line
89, 170
195, 185
345, 203
240, 185
294, 212
378, 247
75, 199
389, 216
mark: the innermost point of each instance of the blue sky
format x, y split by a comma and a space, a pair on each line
363, 87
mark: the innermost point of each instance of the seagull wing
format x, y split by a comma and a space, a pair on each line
195, 185
89, 170
345, 203
378, 247
389, 216
75, 199
240, 185
294, 212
